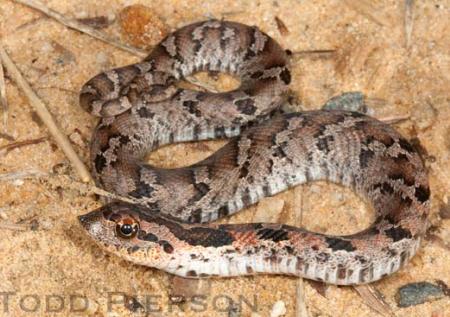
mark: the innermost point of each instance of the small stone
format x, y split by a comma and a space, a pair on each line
102, 59
46, 47
18, 182
111, 16
141, 26
424, 116
278, 309
81, 14
338, 196
45, 224
76, 138
418, 293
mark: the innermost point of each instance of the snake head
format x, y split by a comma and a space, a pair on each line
115, 224
129, 231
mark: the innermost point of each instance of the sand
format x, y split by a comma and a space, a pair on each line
52, 266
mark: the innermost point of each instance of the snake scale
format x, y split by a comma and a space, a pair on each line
268, 151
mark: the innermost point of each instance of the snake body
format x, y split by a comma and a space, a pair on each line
268, 152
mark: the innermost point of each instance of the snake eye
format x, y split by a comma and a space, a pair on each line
127, 230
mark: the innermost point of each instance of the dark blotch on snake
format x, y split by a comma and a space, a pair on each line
365, 156
256, 74
167, 247
385, 188
398, 233
142, 190
285, 76
337, 244
196, 216
323, 143
408, 181
246, 106
191, 106
191, 273
223, 211
145, 113
207, 237
422, 193
142, 235
406, 146
276, 235
100, 163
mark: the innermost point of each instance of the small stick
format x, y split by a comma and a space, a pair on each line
13, 226
105, 193
324, 53
367, 9
194, 81
281, 26
3, 101
394, 119
32, 173
11, 146
373, 299
60, 138
409, 21
76, 25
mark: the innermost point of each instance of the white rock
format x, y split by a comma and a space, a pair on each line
278, 309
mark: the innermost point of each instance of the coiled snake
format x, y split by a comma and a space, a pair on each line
268, 152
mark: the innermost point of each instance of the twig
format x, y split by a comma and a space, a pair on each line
367, 9
13, 226
105, 193
6, 136
373, 299
409, 21
194, 81
281, 26
32, 173
76, 25
324, 53
394, 119
3, 101
8, 147
60, 138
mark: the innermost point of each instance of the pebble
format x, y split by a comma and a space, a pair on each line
46, 224
82, 14
278, 309
418, 293
75, 137
18, 182
46, 47
102, 59
424, 116
141, 26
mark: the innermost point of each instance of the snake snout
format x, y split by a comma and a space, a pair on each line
90, 220
83, 219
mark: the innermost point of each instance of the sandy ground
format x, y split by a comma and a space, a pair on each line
54, 266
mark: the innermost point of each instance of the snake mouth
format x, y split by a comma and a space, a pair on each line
89, 220
83, 219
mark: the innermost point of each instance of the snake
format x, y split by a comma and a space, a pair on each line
167, 225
